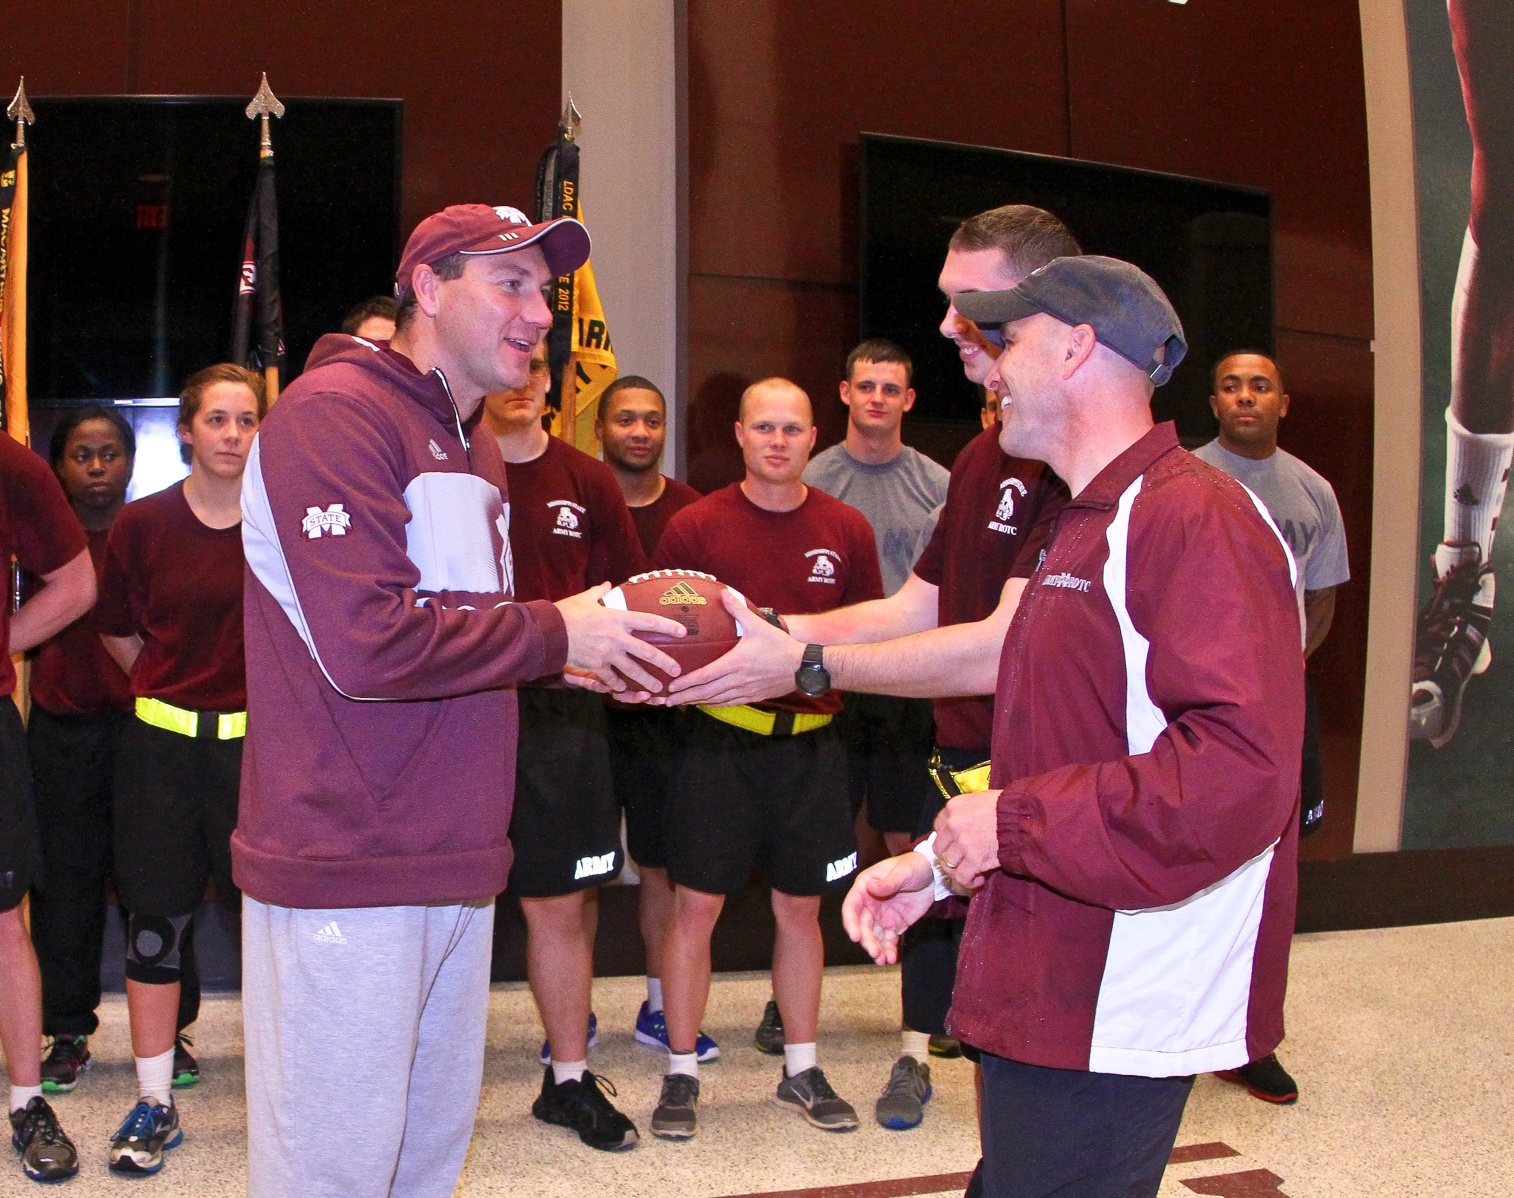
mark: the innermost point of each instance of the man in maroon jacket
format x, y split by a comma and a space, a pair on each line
382, 646
1133, 866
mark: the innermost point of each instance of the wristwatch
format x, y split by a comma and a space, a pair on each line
812, 678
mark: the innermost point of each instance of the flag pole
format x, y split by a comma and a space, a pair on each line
264, 105
16, 419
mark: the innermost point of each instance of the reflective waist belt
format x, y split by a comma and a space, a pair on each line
952, 783
768, 723
202, 725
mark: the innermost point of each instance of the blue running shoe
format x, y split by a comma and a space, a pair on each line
149, 1131
652, 1030
546, 1045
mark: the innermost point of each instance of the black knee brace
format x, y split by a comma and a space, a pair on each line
154, 944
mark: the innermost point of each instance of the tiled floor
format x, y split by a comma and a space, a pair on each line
1401, 1041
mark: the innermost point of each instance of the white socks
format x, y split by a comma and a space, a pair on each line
686, 1063
917, 1045
654, 995
568, 1071
155, 1077
797, 1058
21, 1095
1477, 475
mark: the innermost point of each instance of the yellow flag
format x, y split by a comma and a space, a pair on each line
591, 368
13, 251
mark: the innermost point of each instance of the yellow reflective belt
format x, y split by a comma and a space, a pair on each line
762, 722
959, 782
230, 725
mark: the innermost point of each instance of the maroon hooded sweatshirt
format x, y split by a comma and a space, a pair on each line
382, 643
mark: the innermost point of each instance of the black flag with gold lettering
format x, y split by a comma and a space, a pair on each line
257, 339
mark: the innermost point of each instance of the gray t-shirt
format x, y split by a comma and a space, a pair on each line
901, 500
1302, 505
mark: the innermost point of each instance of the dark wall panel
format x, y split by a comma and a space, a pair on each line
481, 81
1269, 95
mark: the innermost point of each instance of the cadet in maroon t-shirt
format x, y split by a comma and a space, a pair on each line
631, 425
80, 702
763, 785
960, 599
39, 530
170, 613
569, 531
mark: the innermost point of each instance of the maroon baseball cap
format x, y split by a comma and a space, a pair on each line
478, 229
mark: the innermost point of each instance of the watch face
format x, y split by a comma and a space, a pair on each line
813, 680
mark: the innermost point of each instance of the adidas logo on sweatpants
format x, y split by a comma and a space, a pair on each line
330, 934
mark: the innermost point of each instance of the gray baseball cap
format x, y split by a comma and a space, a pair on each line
1121, 303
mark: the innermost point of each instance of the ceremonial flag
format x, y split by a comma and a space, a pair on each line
257, 339
14, 415
578, 345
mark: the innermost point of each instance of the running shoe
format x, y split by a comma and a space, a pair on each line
66, 1059
652, 1030
770, 1031
1265, 1079
947, 1047
149, 1131
186, 1070
1451, 646
811, 1095
582, 1106
901, 1106
546, 1045
675, 1117
46, 1153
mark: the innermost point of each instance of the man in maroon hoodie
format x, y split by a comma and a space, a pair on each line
382, 646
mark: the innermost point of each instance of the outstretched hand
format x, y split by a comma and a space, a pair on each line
603, 652
886, 899
761, 667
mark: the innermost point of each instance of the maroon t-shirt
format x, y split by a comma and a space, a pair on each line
72, 674
570, 528
820, 556
998, 517
178, 585
652, 518
37, 527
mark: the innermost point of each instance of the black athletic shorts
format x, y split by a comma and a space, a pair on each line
566, 825
740, 799
20, 845
886, 740
175, 811
643, 743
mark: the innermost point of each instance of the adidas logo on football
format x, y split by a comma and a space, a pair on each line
330, 934
592, 867
681, 594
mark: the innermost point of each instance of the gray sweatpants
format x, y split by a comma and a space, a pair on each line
365, 1047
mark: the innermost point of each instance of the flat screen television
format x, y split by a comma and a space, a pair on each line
1209, 245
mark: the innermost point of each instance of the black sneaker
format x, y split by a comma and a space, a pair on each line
1450, 646
947, 1047
770, 1031
675, 1118
149, 1131
901, 1106
581, 1106
811, 1095
46, 1153
66, 1059
186, 1070
1265, 1079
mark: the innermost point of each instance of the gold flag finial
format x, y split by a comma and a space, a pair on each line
265, 104
21, 112
571, 120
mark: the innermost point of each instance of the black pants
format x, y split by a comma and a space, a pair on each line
1071, 1134
72, 764
1312, 781
928, 951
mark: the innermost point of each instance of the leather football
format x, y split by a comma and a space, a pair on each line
691, 598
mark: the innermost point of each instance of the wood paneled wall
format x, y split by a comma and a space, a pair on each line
1268, 96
